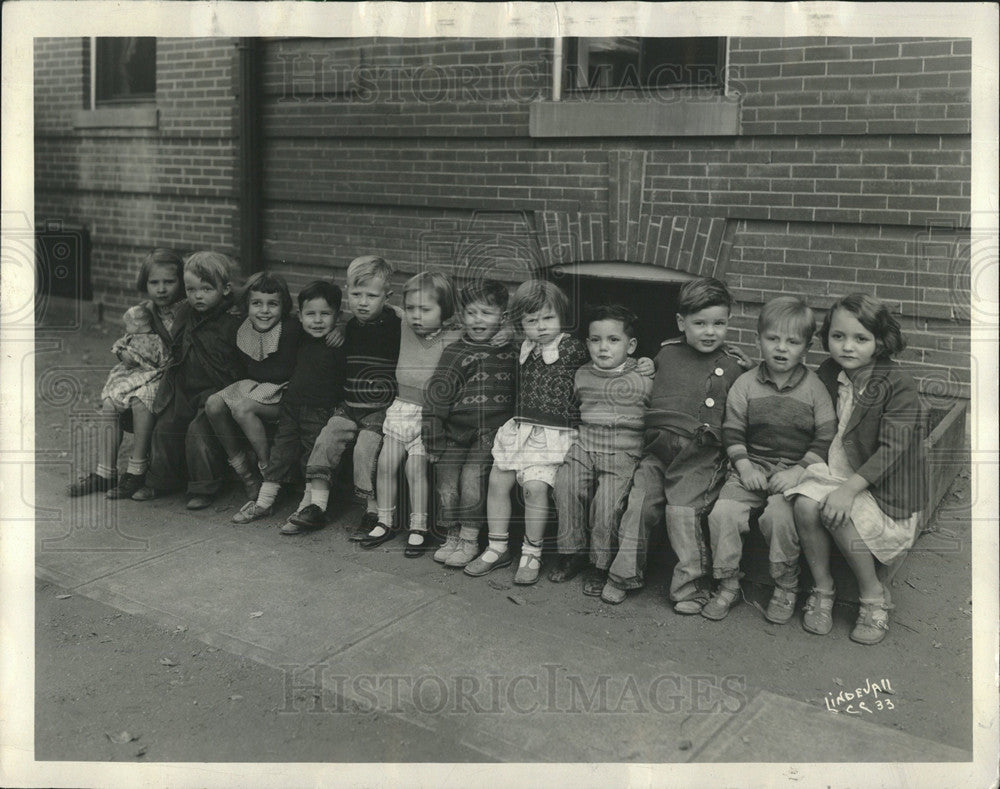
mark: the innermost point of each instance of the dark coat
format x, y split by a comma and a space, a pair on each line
884, 438
204, 356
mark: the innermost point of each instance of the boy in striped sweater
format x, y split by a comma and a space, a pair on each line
593, 483
779, 420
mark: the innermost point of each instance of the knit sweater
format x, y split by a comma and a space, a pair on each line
372, 349
791, 424
472, 389
545, 391
689, 390
276, 368
612, 407
418, 359
318, 377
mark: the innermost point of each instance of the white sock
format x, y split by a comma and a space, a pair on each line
306, 500
320, 498
105, 472
530, 549
240, 464
386, 515
137, 467
418, 521
268, 493
497, 545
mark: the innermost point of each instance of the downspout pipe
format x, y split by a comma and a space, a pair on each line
249, 156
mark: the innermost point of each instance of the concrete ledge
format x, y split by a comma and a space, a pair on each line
679, 117
117, 118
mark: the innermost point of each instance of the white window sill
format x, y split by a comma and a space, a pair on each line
697, 115
117, 118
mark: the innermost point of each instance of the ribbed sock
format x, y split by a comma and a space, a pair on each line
320, 498
530, 549
268, 493
497, 544
137, 467
386, 515
105, 472
240, 464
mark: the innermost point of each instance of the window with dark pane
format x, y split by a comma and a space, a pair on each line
125, 70
623, 62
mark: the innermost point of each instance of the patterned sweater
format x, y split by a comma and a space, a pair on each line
472, 389
545, 391
791, 424
372, 349
612, 406
689, 390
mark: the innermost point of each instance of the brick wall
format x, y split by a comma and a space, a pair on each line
136, 188
851, 171
853, 86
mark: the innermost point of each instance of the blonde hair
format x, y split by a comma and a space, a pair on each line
367, 267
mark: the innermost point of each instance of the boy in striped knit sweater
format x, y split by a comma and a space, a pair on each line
593, 483
470, 395
779, 420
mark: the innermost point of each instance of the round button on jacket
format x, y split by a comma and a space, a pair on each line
719, 371
710, 402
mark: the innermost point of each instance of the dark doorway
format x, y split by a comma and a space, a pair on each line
649, 291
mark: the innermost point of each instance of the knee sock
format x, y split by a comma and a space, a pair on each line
320, 498
240, 464
105, 472
268, 493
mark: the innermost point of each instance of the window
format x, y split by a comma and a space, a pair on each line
632, 63
637, 87
124, 71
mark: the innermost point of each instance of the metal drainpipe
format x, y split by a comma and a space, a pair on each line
249, 157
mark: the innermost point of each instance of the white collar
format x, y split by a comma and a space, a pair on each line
257, 345
550, 352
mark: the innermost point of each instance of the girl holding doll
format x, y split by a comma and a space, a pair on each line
128, 395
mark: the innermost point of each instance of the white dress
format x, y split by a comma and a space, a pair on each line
885, 537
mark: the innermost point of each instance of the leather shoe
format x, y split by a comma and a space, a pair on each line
368, 522
199, 502
412, 551
568, 566
374, 542
309, 517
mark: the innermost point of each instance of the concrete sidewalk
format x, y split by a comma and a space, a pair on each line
385, 632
